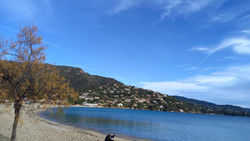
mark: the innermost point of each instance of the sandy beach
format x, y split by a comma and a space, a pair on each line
34, 128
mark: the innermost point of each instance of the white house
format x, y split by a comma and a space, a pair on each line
89, 105
120, 105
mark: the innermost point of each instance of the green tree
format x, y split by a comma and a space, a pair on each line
24, 74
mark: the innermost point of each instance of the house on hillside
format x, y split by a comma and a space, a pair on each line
89, 98
89, 104
120, 105
127, 100
81, 97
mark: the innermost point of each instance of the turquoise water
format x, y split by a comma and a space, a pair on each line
159, 126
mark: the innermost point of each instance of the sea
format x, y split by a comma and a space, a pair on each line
154, 125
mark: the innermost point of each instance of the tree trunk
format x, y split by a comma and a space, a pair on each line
17, 114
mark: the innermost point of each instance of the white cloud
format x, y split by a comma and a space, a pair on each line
246, 31
172, 8
228, 86
234, 13
214, 80
173, 87
168, 7
23, 9
124, 5
223, 17
183, 7
199, 49
240, 45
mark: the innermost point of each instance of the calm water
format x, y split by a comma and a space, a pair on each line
160, 126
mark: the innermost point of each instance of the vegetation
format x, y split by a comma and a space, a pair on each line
82, 80
107, 92
207, 107
25, 76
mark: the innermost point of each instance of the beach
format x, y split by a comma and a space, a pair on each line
31, 127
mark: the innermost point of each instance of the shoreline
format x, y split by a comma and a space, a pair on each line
32, 127
127, 138
198, 113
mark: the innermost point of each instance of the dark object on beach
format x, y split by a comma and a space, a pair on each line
109, 137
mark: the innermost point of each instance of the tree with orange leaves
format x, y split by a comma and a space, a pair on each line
24, 74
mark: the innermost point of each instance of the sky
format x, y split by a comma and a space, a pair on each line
194, 48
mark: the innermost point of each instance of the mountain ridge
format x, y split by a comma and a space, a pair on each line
80, 79
108, 92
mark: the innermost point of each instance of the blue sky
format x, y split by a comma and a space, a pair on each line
193, 48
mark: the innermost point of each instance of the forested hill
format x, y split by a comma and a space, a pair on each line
82, 80
108, 92
214, 108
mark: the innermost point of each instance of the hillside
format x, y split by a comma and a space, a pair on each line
108, 92
81, 80
214, 108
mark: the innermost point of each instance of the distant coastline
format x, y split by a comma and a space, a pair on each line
77, 105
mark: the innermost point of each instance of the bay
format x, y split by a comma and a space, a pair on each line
154, 125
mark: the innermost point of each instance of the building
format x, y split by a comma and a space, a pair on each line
127, 100
142, 100
120, 105
81, 97
89, 105
89, 98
